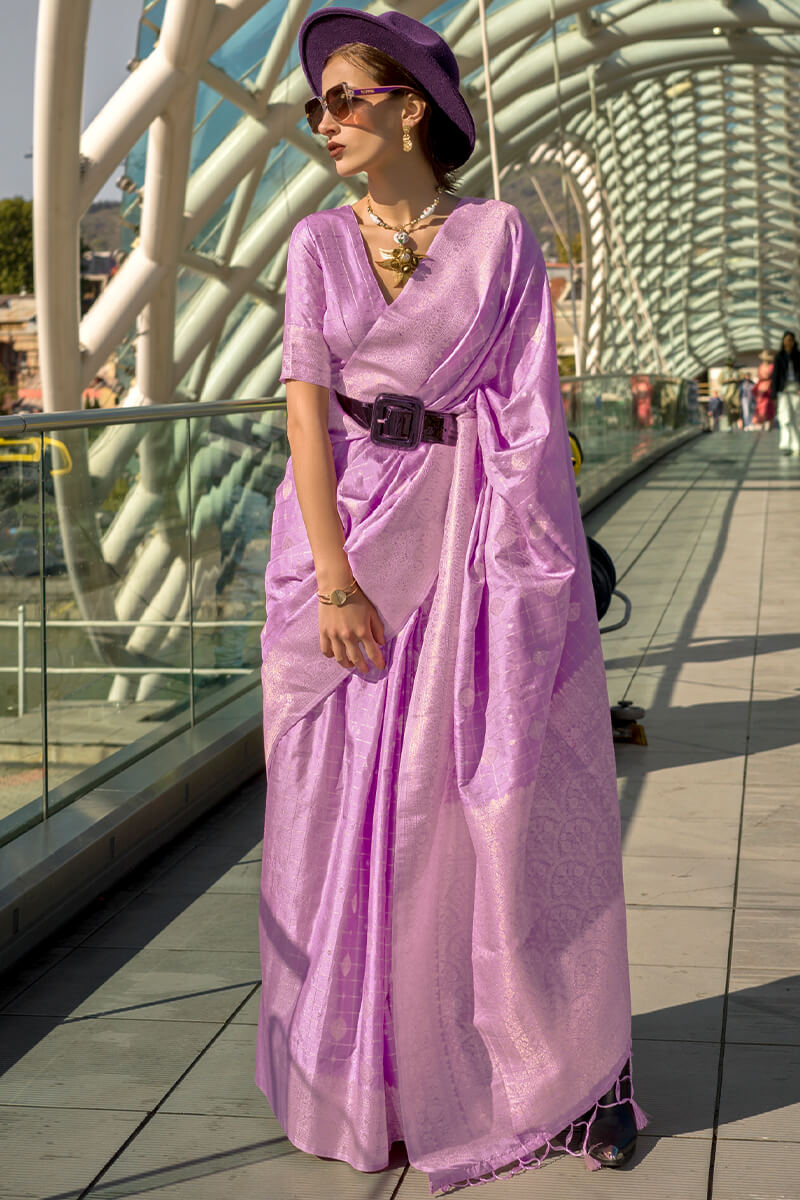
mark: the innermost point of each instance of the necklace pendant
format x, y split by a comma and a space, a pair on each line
401, 237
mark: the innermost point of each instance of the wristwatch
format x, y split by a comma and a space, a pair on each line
338, 596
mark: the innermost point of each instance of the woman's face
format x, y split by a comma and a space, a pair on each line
788, 343
373, 136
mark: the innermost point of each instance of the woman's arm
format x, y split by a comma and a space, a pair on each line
341, 629
315, 480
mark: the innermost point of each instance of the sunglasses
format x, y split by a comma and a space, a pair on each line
338, 101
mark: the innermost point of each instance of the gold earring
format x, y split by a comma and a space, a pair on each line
406, 139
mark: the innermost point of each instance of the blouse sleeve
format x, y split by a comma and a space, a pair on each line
305, 352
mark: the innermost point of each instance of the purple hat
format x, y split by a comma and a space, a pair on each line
416, 47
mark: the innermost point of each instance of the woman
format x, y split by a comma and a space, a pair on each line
442, 917
785, 389
765, 405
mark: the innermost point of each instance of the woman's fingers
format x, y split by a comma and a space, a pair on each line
373, 652
355, 655
325, 645
356, 630
376, 625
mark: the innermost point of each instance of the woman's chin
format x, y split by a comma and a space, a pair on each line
345, 169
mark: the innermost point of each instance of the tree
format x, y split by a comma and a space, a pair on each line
577, 249
16, 245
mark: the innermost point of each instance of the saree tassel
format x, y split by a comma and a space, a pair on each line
640, 1115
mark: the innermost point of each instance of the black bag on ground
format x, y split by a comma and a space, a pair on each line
604, 577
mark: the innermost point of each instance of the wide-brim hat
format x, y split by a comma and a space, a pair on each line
413, 44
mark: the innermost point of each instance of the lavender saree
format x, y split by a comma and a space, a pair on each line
442, 917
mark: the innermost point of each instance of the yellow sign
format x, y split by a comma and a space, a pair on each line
30, 450
577, 453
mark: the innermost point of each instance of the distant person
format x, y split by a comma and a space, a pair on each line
747, 393
715, 409
786, 391
765, 405
729, 385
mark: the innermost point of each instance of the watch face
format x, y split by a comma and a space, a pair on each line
339, 597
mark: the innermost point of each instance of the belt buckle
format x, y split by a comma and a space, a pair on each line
397, 421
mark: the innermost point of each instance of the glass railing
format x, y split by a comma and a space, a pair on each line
133, 544
620, 419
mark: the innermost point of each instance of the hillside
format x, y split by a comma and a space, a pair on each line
100, 228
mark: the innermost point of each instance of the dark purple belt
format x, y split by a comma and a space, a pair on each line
401, 421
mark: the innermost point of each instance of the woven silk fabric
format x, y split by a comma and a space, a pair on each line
442, 917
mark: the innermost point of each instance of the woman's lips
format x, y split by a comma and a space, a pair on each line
335, 149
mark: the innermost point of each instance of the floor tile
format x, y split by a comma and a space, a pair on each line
182, 985
677, 1003
764, 1007
112, 1064
55, 1152
671, 836
767, 938
698, 882
761, 1093
221, 1083
771, 824
29, 970
163, 921
248, 1014
749, 1170
681, 797
682, 937
210, 1158
779, 766
213, 868
676, 1084
677, 765
769, 883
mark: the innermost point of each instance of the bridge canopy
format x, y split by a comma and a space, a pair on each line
669, 120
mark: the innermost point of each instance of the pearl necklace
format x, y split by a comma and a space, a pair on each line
403, 261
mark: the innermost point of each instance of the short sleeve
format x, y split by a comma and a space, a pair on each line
305, 352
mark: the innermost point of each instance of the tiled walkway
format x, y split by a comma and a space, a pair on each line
128, 1043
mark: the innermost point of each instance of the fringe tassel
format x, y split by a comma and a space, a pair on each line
560, 1146
641, 1116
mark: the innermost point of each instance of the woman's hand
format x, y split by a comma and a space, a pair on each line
342, 629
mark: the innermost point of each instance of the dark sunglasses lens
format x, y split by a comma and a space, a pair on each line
338, 104
314, 114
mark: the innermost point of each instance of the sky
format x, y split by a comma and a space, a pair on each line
113, 29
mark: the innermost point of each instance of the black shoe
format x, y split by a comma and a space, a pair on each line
612, 1138
613, 1132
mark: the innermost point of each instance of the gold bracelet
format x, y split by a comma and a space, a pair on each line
339, 595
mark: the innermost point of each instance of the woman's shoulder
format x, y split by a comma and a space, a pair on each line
501, 216
313, 225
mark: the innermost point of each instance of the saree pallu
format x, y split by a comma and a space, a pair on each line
442, 917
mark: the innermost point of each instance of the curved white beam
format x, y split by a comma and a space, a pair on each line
61, 34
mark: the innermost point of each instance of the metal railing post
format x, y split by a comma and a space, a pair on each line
21, 660
190, 565
43, 633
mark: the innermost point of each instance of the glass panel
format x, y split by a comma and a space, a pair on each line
20, 614
237, 462
619, 418
117, 601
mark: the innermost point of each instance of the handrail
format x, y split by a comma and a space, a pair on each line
81, 418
